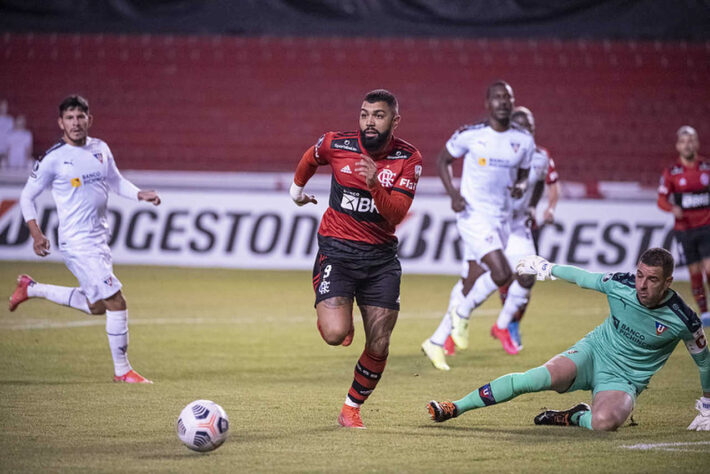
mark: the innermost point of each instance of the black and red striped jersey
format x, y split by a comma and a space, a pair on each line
689, 187
352, 214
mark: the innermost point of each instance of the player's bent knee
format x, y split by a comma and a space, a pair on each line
115, 302
501, 277
606, 421
333, 336
97, 308
526, 281
379, 347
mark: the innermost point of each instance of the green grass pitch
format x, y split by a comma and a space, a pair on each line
248, 340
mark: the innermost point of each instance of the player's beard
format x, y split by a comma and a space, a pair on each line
373, 144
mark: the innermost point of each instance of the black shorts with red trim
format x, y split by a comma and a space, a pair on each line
370, 282
695, 243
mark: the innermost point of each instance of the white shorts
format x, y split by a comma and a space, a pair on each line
94, 269
520, 243
481, 234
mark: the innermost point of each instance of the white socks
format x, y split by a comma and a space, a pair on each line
444, 329
456, 296
442, 332
516, 299
63, 295
482, 289
117, 332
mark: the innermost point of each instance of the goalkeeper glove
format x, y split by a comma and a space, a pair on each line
702, 421
534, 265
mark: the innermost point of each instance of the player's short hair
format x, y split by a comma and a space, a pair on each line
499, 82
383, 95
74, 102
658, 257
520, 110
686, 130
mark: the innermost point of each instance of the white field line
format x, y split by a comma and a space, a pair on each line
21, 324
693, 446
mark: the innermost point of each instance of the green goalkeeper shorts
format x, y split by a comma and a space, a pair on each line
596, 374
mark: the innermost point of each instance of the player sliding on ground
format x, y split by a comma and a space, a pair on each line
617, 359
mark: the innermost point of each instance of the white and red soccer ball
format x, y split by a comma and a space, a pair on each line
203, 425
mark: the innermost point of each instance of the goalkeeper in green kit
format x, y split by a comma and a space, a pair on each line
617, 359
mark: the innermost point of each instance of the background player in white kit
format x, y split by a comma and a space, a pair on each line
521, 242
80, 170
497, 155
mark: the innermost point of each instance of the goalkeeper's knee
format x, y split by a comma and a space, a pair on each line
534, 380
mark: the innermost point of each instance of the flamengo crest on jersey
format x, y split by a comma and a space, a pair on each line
491, 163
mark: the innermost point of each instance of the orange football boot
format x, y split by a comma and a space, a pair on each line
131, 377
350, 418
20, 293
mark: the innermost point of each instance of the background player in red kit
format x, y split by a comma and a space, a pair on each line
685, 191
374, 179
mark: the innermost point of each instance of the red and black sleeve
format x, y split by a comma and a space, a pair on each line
395, 205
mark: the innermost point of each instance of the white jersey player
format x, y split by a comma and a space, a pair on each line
80, 171
521, 242
497, 156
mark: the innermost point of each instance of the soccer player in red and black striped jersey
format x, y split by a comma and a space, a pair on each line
685, 191
374, 179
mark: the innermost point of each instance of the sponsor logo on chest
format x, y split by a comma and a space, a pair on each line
347, 145
356, 203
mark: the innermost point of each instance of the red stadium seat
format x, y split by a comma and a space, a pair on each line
607, 110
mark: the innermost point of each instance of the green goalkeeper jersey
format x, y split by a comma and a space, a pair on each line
635, 340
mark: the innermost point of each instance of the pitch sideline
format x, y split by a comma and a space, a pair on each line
678, 446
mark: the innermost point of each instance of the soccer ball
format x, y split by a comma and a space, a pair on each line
203, 425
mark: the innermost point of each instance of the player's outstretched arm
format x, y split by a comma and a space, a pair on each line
544, 270
534, 265
306, 168
149, 196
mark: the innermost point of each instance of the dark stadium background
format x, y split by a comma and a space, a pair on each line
249, 85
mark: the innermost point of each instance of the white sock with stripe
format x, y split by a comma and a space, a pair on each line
482, 289
64, 295
516, 299
444, 329
117, 332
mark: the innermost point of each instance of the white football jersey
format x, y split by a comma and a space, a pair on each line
80, 178
491, 163
538, 172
